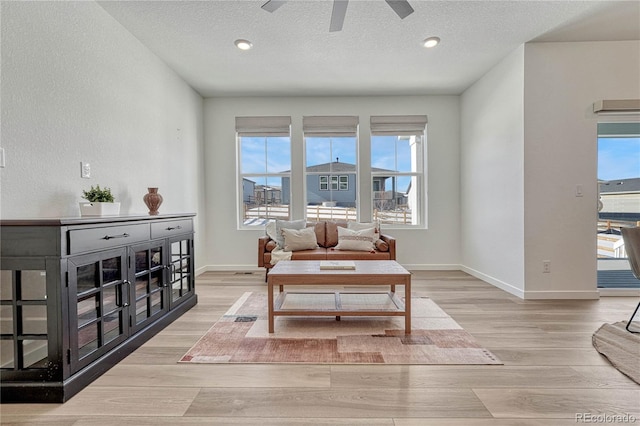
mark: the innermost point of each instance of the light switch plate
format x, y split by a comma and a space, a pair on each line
1, 157
85, 170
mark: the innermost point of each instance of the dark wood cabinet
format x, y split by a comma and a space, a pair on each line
77, 295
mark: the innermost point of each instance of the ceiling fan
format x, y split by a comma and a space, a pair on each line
401, 7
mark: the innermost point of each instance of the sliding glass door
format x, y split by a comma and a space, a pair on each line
618, 201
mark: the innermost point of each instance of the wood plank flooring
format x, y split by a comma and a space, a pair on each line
550, 374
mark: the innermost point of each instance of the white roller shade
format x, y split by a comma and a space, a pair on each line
263, 126
390, 125
325, 126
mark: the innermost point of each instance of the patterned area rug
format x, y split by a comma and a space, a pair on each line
621, 348
241, 336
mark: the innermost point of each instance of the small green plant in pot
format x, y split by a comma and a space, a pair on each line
98, 195
100, 202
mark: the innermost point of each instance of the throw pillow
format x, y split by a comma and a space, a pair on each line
349, 239
270, 230
299, 239
358, 226
382, 245
287, 224
270, 246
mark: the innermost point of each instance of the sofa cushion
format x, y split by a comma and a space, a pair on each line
331, 233
349, 239
299, 239
319, 228
316, 254
333, 254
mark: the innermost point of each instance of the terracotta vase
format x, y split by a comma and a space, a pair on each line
153, 200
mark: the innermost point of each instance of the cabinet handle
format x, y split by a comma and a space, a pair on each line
171, 228
110, 237
128, 283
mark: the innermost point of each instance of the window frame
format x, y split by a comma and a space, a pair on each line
414, 128
333, 128
265, 128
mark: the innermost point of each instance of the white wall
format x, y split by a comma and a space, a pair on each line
562, 80
76, 86
492, 180
529, 137
437, 247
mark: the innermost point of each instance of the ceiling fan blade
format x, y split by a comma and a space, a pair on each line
338, 14
401, 7
273, 5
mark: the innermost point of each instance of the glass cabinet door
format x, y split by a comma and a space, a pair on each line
150, 288
24, 322
99, 299
181, 268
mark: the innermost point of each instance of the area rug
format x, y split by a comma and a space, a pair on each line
241, 336
620, 347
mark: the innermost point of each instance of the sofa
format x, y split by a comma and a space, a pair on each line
326, 233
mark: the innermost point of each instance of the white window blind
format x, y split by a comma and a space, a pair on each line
398, 125
327, 126
263, 126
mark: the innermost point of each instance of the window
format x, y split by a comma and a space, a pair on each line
344, 183
331, 167
397, 169
338, 183
324, 183
264, 153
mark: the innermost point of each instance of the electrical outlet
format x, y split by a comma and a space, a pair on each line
546, 266
85, 170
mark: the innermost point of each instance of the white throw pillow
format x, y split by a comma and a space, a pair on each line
287, 224
270, 230
299, 239
359, 226
362, 240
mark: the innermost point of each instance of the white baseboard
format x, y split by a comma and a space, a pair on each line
431, 267
227, 268
561, 295
621, 292
494, 281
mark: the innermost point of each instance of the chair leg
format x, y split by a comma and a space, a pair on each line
631, 319
266, 274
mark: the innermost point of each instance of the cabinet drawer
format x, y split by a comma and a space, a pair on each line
83, 240
171, 227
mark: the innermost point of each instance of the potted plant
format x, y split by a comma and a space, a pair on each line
100, 202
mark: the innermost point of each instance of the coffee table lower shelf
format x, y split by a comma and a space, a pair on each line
338, 310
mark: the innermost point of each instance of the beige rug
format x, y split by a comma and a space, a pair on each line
241, 336
620, 347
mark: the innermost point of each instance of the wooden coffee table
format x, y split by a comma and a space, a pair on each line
367, 273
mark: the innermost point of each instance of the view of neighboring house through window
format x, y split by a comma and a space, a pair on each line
327, 186
331, 167
397, 169
264, 153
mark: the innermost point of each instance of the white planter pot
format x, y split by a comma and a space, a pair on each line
99, 209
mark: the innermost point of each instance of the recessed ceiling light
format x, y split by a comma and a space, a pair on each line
431, 42
243, 44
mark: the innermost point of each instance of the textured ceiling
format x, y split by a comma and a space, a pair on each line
376, 53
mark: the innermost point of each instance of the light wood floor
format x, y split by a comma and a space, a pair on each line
550, 374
